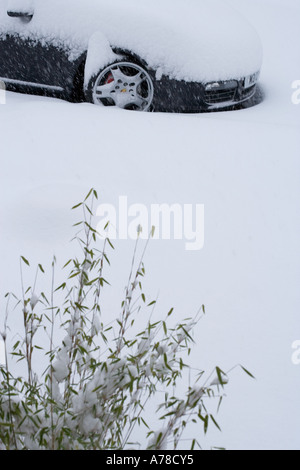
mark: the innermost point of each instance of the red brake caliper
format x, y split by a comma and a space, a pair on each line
109, 79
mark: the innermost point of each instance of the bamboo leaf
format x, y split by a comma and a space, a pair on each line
25, 261
248, 373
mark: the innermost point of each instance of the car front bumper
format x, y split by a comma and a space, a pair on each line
187, 97
230, 93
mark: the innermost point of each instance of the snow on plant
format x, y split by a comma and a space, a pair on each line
98, 379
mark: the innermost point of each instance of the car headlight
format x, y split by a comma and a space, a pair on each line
251, 80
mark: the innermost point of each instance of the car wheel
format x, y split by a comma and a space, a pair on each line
123, 84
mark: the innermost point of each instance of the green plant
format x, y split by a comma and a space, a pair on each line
98, 379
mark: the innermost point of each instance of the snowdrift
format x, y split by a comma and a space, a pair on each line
192, 40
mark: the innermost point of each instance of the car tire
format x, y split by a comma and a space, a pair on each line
124, 84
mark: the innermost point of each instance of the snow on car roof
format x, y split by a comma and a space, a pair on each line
192, 40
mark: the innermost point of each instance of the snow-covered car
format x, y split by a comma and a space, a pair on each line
164, 55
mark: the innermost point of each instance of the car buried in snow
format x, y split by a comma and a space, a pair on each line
162, 55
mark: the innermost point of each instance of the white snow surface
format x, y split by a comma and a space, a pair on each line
194, 40
20, 6
244, 166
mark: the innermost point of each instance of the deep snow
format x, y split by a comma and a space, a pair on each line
183, 40
244, 166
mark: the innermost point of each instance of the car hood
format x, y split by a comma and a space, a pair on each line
192, 40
